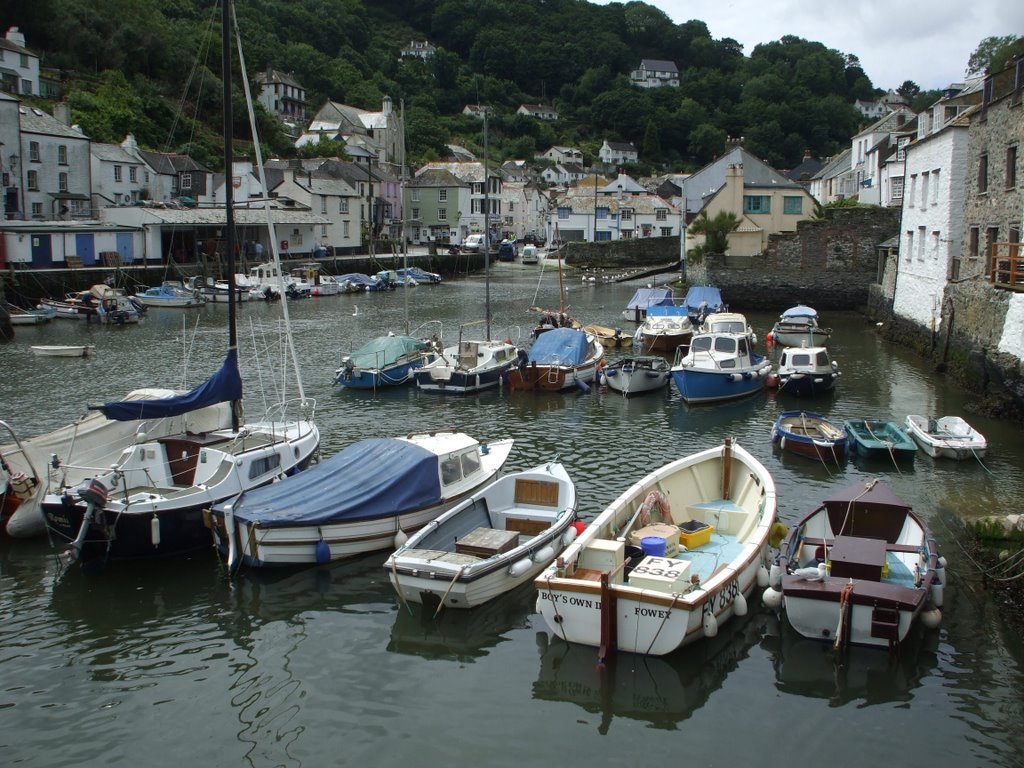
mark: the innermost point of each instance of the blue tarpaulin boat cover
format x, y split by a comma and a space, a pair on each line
378, 477
223, 387
650, 297
667, 311
385, 350
560, 346
703, 300
799, 311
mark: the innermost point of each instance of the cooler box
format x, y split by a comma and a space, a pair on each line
669, 533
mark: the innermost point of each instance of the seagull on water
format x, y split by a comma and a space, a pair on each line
355, 311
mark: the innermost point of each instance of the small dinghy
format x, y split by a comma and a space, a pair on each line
70, 350
949, 437
810, 434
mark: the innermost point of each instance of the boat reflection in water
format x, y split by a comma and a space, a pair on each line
461, 635
660, 690
805, 667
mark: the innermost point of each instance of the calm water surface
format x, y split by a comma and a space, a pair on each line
170, 663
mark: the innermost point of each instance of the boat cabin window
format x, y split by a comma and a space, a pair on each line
451, 469
470, 463
263, 465
801, 359
701, 344
822, 358
741, 347
725, 344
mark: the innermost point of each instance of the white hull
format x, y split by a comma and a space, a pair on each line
658, 606
818, 619
949, 437
63, 351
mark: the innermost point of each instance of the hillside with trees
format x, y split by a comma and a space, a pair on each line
150, 68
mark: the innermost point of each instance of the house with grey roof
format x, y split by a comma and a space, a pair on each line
655, 73
55, 166
870, 147
179, 178
435, 199
282, 95
617, 153
484, 190
330, 196
380, 134
764, 200
540, 111
564, 174
835, 180
118, 177
599, 211
19, 67
560, 154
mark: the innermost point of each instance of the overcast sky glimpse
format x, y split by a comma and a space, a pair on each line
927, 41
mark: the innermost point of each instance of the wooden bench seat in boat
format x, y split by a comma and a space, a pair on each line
487, 542
726, 516
439, 555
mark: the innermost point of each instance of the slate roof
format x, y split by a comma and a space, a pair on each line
471, 172
620, 146
113, 153
659, 65
437, 177
171, 164
836, 166
34, 120
706, 182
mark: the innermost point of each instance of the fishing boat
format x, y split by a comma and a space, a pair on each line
807, 371
637, 375
100, 304
859, 570
308, 279
727, 322
717, 367
63, 350
810, 434
610, 338
879, 439
385, 361
215, 291
269, 283
500, 537
466, 367
150, 502
949, 437
644, 298
66, 457
170, 293
357, 501
37, 316
670, 561
798, 326
701, 301
665, 329
558, 359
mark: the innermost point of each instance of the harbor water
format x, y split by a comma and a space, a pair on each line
171, 663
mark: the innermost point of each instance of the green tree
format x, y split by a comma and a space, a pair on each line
715, 230
992, 54
650, 148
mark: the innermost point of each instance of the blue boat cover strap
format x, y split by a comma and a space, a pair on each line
373, 478
560, 346
223, 387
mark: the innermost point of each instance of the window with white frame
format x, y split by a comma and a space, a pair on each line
343, 205
442, 195
186, 181
62, 154
442, 214
602, 212
414, 195
118, 173
37, 210
323, 204
62, 182
563, 212
133, 174
666, 231
626, 214
32, 180
33, 151
661, 214
415, 213
896, 185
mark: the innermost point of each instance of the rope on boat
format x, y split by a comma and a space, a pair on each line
981, 569
661, 626
401, 597
843, 628
889, 445
445, 595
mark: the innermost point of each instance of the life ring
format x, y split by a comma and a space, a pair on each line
652, 500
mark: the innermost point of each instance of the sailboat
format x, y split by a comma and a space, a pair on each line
472, 365
151, 502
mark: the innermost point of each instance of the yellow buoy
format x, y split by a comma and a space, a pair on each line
776, 534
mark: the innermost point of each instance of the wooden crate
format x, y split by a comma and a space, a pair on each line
487, 542
529, 527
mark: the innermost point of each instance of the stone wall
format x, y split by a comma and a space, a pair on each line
637, 252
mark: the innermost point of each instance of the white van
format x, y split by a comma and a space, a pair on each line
473, 243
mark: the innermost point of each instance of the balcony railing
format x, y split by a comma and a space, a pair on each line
1007, 266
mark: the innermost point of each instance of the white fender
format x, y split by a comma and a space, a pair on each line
400, 538
544, 555
710, 623
931, 618
772, 598
569, 536
520, 567
739, 605
775, 576
938, 589
762, 577
154, 530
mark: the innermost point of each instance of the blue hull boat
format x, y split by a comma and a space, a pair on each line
386, 361
719, 366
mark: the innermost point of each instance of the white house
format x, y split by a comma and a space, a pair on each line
525, 209
558, 154
381, 134
868, 148
54, 166
10, 157
282, 95
655, 73
330, 197
933, 221
118, 177
19, 67
421, 49
617, 153
563, 174
540, 111
619, 210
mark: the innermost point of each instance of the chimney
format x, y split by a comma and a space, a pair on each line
16, 37
387, 105
129, 144
62, 111
807, 154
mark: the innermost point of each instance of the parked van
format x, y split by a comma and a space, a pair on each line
473, 243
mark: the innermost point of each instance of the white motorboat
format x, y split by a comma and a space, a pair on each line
63, 350
948, 437
636, 375
469, 366
500, 537
798, 326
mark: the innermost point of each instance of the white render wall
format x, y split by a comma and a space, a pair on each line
1012, 341
930, 233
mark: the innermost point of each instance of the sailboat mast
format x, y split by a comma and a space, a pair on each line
229, 201
487, 237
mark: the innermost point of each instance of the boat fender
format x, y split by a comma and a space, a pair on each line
776, 534
520, 567
748, 375
775, 576
323, 552
22, 485
772, 598
937, 591
582, 386
735, 376
400, 537
782, 442
739, 605
154, 530
710, 624
762, 577
544, 555
931, 618
569, 536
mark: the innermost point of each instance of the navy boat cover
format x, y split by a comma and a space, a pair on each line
560, 346
223, 387
378, 477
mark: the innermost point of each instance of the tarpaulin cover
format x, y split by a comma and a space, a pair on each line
799, 311
224, 386
385, 350
378, 477
649, 297
560, 346
704, 299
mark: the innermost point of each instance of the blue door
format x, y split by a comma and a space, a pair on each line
85, 247
42, 253
125, 247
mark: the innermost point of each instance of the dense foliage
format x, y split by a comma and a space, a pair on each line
150, 67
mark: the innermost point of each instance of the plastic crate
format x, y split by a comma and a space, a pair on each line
694, 533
